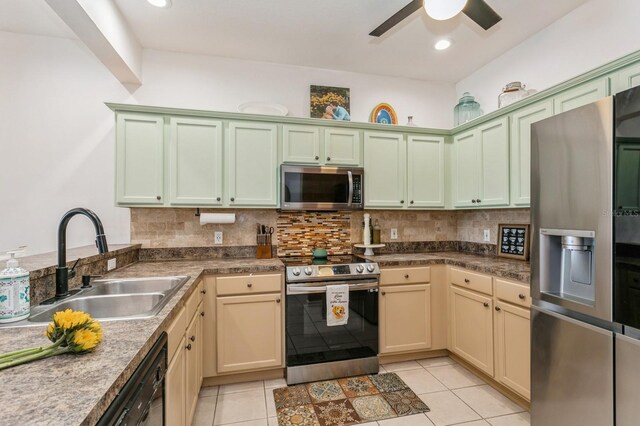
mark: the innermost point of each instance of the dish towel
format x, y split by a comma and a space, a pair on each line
337, 304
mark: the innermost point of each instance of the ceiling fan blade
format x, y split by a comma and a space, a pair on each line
397, 18
481, 13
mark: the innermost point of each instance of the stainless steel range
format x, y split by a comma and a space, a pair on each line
316, 351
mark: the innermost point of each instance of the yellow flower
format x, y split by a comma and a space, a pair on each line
96, 328
50, 330
69, 319
84, 340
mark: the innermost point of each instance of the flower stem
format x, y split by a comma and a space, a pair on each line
46, 353
21, 352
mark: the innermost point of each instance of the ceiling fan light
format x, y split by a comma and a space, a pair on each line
442, 10
165, 4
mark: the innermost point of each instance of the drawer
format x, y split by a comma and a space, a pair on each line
511, 292
471, 280
405, 276
249, 284
194, 300
175, 332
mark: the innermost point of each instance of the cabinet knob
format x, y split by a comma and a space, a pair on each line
233, 199
217, 198
466, 280
473, 201
401, 201
278, 300
158, 198
406, 276
202, 313
521, 296
383, 293
411, 202
188, 347
497, 308
486, 305
203, 291
249, 285
192, 338
317, 157
328, 158
478, 200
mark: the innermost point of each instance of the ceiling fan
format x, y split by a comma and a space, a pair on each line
477, 10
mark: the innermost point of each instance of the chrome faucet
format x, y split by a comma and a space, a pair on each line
62, 271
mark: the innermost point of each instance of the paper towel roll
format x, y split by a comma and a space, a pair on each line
217, 218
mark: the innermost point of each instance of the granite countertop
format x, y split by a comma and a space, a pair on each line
71, 390
489, 264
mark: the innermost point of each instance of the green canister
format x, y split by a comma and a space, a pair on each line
14, 292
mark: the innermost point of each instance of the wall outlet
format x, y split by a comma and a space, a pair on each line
394, 233
111, 264
217, 237
487, 235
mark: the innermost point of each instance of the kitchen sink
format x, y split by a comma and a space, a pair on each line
112, 299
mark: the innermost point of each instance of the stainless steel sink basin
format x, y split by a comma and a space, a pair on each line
112, 299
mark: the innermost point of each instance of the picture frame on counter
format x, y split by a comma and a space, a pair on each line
513, 241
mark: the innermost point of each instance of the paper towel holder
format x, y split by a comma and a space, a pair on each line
197, 211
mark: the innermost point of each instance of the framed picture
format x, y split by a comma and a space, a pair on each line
513, 241
332, 103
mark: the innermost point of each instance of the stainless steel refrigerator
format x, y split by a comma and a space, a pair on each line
572, 329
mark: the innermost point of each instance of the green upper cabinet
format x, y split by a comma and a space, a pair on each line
253, 164
139, 159
581, 95
626, 78
425, 171
520, 143
481, 166
342, 147
195, 161
385, 169
300, 144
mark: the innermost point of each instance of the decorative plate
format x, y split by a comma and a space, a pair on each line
383, 114
265, 108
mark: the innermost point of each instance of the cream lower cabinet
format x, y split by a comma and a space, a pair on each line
472, 328
175, 406
512, 347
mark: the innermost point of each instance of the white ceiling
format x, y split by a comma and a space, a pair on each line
330, 34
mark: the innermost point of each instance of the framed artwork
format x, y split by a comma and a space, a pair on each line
383, 114
332, 103
513, 241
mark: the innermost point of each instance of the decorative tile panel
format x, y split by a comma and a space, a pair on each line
300, 232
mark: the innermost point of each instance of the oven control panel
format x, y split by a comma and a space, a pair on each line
319, 272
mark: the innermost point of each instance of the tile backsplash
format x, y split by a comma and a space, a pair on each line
297, 232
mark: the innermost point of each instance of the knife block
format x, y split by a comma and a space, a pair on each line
263, 251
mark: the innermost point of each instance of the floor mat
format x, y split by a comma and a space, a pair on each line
346, 401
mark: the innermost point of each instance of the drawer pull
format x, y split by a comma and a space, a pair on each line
249, 285
278, 300
406, 276
383, 293
497, 308
486, 305
466, 280
201, 314
203, 291
188, 347
192, 338
521, 296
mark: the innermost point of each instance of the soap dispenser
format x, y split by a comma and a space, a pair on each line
14, 292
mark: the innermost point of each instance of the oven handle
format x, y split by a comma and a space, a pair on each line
302, 289
350, 188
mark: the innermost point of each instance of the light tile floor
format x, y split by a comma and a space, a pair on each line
455, 395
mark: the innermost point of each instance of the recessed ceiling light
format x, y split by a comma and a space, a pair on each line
160, 3
442, 44
442, 10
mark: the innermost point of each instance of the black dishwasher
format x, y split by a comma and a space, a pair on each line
141, 400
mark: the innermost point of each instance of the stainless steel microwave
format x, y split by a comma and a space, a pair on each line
322, 188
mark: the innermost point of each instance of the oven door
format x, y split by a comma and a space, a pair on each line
321, 188
311, 341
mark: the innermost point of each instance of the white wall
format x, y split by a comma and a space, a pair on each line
595, 33
57, 136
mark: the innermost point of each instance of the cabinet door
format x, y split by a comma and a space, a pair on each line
253, 164
520, 143
192, 382
405, 318
513, 358
581, 95
300, 144
209, 328
465, 169
472, 328
195, 162
626, 78
249, 332
384, 161
139, 159
425, 171
342, 147
175, 388
200, 338
494, 163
